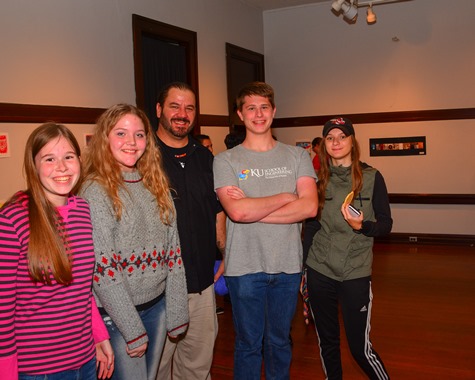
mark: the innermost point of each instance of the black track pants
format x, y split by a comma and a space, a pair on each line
355, 298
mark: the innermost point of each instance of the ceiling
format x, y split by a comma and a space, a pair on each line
276, 4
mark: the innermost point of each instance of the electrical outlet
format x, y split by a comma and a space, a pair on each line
413, 239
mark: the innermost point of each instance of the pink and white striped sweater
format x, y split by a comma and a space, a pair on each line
46, 328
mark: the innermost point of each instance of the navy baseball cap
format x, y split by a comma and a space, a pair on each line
341, 123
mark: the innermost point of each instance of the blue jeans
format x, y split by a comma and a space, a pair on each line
146, 367
263, 307
86, 372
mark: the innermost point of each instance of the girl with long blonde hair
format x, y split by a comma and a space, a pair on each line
139, 282
101, 165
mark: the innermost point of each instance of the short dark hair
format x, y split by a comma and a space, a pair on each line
202, 137
316, 141
234, 138
163, 93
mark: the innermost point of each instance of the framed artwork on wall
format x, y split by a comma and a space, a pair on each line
398, 146
307, 145
4, 145
87, 138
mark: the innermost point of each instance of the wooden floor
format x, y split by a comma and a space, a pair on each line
423, 320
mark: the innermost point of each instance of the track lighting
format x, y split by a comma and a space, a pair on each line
349, 11
349, 8
370, 16
346, 7
336, 5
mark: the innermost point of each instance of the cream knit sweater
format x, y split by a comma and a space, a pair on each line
137, 259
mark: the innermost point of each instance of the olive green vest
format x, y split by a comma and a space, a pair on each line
337, 251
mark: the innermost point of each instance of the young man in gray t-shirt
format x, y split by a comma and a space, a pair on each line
266, 188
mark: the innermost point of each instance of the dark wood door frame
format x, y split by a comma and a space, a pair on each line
172, 34
242, 66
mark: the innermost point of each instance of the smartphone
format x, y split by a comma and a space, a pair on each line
353, 211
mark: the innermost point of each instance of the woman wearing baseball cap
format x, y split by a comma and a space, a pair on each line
340, 249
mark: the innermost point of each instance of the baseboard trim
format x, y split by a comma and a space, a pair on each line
437, 239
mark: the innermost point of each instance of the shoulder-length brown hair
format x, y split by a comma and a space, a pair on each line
324, 172
48, 251
101, 166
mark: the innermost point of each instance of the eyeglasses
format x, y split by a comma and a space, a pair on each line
339, 138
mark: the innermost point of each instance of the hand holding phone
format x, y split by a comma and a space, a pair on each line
354, 211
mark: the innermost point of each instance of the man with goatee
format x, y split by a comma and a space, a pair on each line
189, 166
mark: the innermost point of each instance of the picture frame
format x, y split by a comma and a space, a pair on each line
4, 145
305, 144
398, 146
87, 138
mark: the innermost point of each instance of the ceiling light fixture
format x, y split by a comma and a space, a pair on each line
350, 12
346, 7
370, 16
349, 8
336, 5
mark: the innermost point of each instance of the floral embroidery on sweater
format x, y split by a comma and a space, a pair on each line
109, 266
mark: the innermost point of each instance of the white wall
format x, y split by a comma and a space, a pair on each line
320, 65
67, 52
217, 136
12, 179
80, 53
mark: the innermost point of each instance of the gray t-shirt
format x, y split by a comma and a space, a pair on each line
263, 247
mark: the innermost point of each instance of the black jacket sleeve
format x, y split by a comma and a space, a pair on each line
311, 226
382, 211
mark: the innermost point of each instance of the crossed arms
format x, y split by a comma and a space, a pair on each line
282, 208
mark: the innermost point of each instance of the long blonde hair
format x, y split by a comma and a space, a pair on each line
48, 251
324, 172
101, 166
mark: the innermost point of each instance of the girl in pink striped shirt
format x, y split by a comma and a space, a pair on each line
49, 323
